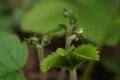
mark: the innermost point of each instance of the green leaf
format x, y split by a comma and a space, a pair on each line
70, 59
46, 16
6, 23
57, 59
97, 17
13, 76
88, 52
13, 55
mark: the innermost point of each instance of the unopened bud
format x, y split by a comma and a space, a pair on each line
66, 13
33, 41
46, 40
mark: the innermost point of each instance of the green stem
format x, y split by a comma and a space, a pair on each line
61, 74
67, 46
73, 74
41, 57
87, 71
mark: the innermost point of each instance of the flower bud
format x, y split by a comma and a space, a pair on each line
33, 41
78, 33
46, 40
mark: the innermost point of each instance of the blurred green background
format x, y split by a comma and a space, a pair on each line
99, 18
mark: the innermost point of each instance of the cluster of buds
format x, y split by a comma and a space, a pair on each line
35, 41
32, 41
73, 19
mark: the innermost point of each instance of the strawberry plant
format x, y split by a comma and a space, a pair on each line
69, 58
96, 21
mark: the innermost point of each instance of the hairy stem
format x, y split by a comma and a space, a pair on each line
73, 74
41, 57
67, 46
